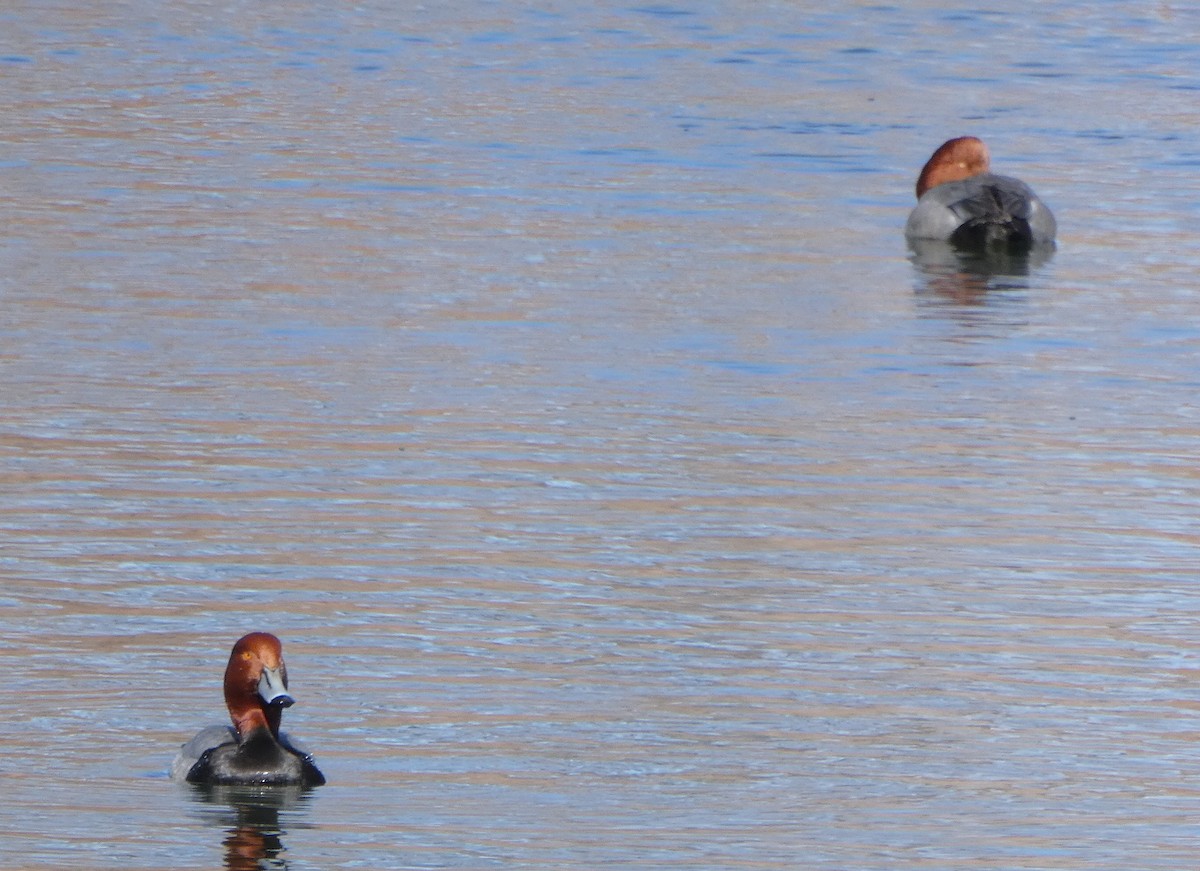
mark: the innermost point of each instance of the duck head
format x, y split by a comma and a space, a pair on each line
955, 160
256, 685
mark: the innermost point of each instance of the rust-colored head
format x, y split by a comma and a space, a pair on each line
957, 159
256, 684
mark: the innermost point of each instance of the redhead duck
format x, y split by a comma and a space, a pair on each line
253, 750
961, 202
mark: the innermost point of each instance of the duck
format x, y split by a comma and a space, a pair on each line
252, 751
960, 201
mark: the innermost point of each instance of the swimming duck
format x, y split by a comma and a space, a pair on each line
253, 750
961, 202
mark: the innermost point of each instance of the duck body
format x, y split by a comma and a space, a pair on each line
217, 757
252, 751
984, 211
961, 202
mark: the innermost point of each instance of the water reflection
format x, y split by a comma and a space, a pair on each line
966, 278
250, 817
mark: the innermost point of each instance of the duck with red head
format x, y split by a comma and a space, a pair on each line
960, 201
253, 750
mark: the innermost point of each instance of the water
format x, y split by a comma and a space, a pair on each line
557, 385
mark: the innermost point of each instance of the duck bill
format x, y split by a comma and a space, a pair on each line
273, 690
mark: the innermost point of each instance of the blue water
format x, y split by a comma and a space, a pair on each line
557, 384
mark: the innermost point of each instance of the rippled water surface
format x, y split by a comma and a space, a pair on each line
557, 384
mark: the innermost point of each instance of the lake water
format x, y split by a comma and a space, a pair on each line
557, 385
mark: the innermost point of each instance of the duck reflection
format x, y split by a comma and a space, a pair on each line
250, 817
967, 278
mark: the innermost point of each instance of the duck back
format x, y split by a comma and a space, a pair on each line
984, 212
